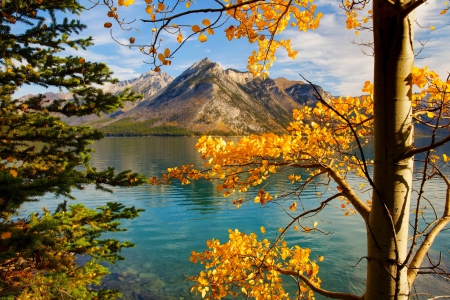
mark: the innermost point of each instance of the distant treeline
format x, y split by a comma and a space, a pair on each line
128, 128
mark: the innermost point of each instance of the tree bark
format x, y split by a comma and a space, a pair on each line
387, 227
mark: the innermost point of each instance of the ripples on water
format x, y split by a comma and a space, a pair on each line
179, 219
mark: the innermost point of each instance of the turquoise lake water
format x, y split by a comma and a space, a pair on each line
178, 219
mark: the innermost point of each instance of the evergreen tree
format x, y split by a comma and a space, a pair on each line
40, 154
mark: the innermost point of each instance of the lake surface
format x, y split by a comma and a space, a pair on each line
178, 219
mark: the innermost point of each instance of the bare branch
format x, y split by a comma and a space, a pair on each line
415, 263
313, 287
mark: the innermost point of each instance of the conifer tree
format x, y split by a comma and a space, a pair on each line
41, 155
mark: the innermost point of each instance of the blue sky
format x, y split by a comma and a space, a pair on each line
326, 56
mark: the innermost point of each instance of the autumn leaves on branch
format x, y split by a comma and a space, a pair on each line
257, 21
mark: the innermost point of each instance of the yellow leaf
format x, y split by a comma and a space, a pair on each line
206, 22
315, 224
167, 52
10, 18
320, 258
149, 9
6, 235
430, 114
161, 57
293, 206
161, 6
13, 172
195, 28
179, 38
202, 38
148, 1
432, 28
188, 4
125, 2
263, 230
107, 25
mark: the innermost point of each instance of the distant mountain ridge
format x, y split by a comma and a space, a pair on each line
205, 99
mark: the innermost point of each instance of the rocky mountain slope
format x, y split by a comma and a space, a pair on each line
206, 99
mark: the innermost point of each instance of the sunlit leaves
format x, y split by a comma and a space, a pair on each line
433, 101
13, 172
293, 206
202, 38
125, 2
206, 22
274, 18
5, 235
252, 267
167, 52
259, 23
161, 6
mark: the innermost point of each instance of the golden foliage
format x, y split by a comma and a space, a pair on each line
259, 22
254, 268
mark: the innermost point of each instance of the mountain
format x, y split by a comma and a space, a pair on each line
147, 84
206, 99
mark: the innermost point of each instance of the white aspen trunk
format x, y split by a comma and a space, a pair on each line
387, 228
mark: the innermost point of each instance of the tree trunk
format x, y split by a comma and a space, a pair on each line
387, 228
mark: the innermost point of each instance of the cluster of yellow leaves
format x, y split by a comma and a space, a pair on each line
352, 21
434, 97
125, 2
261, 21
251, 267
258, 22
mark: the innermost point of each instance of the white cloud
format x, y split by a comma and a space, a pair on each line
328, 58
123, 73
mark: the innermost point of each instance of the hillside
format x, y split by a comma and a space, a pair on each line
205, 99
